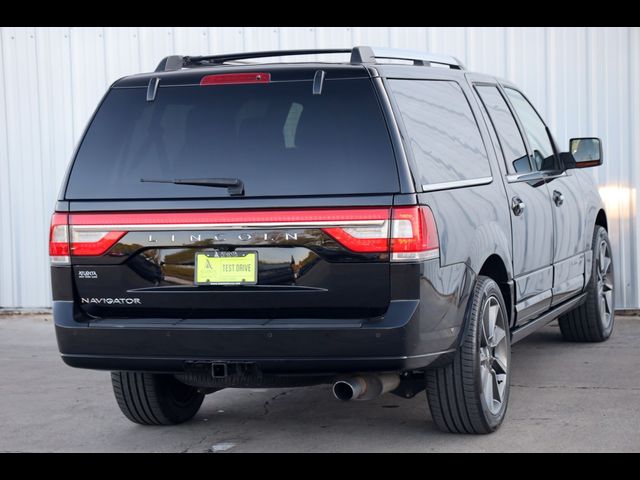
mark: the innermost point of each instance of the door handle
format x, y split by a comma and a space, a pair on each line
558, 198
517, 205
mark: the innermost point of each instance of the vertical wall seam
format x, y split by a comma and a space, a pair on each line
467, 47
546, 77
105, 63
73, 86
634, 127
15, 213
505, 42
9, 248
139, 34
38, 101
634, 95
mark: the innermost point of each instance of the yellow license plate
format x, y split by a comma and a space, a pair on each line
226, 268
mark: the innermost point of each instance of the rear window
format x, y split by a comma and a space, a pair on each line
444, 136
278, 138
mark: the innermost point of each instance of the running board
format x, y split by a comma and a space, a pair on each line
530, 327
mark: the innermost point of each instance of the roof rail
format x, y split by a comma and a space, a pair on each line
369, 55
359, 55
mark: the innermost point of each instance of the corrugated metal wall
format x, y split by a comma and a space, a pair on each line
585, 81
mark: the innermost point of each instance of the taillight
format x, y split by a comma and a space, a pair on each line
362, 239
93, 243
410, 234
65, 240
413, 234
59, 239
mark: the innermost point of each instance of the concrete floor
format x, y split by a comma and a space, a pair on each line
564, 398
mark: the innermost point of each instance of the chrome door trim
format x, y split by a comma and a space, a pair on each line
534, 176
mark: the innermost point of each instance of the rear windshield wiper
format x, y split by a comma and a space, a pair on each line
234, 185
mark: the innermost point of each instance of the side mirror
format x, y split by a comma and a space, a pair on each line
583, 153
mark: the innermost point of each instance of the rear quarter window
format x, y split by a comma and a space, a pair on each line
443, 134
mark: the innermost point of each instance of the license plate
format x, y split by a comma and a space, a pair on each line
226, 268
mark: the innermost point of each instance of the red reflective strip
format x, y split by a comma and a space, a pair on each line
229, 216
82, 249
58, 249
235, 78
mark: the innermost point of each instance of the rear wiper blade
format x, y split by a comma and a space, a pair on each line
234, 185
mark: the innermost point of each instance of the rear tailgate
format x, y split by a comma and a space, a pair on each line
281, 141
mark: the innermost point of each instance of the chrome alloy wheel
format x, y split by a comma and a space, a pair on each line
604, 279
493, 355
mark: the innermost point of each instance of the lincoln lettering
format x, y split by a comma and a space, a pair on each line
223, 237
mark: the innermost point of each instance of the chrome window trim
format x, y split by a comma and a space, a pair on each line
472, 182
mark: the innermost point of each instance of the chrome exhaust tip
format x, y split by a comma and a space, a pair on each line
365, 387
349, 388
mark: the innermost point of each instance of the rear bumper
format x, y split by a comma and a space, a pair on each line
395, 342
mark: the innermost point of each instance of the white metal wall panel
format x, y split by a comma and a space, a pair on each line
634, 168
452, 40
122, 51
6, 255
584, 81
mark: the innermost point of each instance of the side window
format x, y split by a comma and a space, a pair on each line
443, 133
543, 155
511, 143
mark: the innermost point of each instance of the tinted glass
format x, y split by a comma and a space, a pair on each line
443, 133
543, 156
278, 138
511, 143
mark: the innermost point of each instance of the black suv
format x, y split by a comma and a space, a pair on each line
375, 225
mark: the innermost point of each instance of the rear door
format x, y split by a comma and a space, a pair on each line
307, 237
531, 212
564, 193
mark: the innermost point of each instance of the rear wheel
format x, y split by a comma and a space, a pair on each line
155, 399
593, 320
470, 394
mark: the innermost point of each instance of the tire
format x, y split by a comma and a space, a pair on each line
155, 399
593, 320
470, 394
